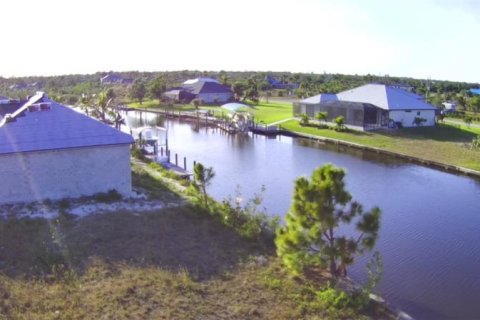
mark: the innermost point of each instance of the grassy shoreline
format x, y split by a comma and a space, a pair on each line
445, 143
173, 263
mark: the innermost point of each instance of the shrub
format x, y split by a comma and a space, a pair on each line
304, 119
339, 123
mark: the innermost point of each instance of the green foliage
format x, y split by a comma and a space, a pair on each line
321, 116
304, 119
310, 238
339, 123
138, 91
248, 219
475, 104
196, 103
332, 298
468, 120
238, 88
251, 90
156, 88
202, 178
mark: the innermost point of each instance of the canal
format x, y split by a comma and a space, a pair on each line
430, 227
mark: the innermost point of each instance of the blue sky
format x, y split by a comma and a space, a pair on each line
435, 39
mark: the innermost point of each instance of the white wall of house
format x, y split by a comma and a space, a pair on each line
65, 173
407, 118
212, 97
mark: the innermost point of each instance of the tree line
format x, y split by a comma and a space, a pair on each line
248, 85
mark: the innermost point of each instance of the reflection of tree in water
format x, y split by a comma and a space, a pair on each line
239, 140
137, 119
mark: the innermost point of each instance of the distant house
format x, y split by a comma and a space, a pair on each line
475, 91
179, 95
18, 86
49, 151
115, 79
4, 100
210, 91
450, 106
275, 84
371, 106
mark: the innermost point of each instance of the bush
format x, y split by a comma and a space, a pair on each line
339, 123
304, 119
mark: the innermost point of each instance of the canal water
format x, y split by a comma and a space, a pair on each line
430, 227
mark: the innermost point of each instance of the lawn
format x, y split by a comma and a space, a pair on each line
153, 104
272, 112
443, 143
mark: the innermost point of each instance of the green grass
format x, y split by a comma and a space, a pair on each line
168, 264
263, 112
153, 104
266, 112
447, 144
272, 112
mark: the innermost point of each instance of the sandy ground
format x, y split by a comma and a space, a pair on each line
138, 202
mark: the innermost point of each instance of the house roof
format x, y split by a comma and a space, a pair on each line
192, 81
56, 127
475, 91
207, 87
324, 97
385, 97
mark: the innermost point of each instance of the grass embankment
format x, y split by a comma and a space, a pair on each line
443, 143
265, 112
154, 104
175, 263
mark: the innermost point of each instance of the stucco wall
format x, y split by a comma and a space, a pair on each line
59, 174
407, 118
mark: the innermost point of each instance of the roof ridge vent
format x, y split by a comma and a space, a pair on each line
40, 106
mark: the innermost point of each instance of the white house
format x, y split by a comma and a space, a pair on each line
371, 106
48, 151
208, 90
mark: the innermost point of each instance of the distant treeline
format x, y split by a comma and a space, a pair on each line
70, 88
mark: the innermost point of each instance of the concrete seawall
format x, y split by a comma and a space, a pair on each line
426, 162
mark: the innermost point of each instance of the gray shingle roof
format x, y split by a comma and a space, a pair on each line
57, 128
385, 97
206, 87
380, 95
324, 97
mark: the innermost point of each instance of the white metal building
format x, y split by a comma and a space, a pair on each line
48, 151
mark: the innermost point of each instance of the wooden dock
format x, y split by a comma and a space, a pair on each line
265, 129
179, 171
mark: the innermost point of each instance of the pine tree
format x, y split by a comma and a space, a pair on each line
311, 237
